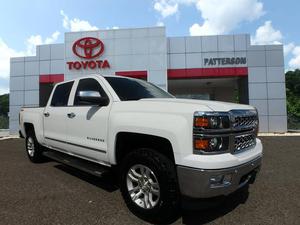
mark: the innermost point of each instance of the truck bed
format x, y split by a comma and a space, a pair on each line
33, 115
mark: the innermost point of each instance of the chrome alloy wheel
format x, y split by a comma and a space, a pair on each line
143, 186
30, 146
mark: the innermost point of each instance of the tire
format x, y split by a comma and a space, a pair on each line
159, 188
33, 148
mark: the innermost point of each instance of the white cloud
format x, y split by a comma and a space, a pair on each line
166, 8
288, 48
221, 17
294, 63
205, 29
35, 40
160, 24
114, 28
170, 7
76, 24
4, 90
5, 54
3, 86
53, 38
266, 34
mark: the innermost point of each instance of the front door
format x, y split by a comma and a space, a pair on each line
87, 124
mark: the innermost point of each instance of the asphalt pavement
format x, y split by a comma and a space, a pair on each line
51, 193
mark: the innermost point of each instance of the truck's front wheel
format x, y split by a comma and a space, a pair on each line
33, 148
149, 185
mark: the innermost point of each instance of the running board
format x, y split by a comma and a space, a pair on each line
81, 164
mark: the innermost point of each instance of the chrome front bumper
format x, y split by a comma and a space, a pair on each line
201, 183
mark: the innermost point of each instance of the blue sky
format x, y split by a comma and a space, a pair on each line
25, 24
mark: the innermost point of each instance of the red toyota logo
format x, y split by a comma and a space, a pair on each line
88, 47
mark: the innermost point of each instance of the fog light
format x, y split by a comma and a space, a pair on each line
220, 181
216, 180
227, 179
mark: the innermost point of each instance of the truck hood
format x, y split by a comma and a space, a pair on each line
213, 105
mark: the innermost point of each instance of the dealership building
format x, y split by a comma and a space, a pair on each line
221, 67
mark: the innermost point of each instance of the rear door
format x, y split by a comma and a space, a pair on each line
55, 116
87, 128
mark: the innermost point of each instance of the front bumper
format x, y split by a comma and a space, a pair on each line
197, 183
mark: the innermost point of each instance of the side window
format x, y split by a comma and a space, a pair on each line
88, 84
61, 94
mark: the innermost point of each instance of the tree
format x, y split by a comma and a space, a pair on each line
4, 105
292, 80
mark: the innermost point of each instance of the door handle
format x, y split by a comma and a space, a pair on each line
71, 115
46, 114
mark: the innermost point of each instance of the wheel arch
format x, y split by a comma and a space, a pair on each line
28, 127
128, 141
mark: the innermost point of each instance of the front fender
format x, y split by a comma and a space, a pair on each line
175, 128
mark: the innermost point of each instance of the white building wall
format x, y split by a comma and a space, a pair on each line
126, 50
189, 52
16, 96
267, 86
149, 49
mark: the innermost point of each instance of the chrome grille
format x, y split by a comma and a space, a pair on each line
245, 121
244, 142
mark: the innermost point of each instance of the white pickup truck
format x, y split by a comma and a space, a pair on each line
163, 149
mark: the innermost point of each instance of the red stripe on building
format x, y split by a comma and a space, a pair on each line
133, 74
207, 72
243, 71
176, 73
51, 78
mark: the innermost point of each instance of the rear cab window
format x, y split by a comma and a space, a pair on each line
61, 94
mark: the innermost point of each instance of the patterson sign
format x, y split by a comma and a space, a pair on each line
88, 49
225, 61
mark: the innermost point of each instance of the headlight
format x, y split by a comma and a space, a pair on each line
218, 132
211, 121
211, 144
206, 124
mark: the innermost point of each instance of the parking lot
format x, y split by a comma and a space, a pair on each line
51, 193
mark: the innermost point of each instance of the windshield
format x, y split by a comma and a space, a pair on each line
134, 89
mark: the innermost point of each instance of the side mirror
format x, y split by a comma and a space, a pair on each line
92, 97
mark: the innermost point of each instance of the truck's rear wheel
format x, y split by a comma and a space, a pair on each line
33, 148
148, 183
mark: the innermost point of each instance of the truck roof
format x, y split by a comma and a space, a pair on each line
95, 75
99, 75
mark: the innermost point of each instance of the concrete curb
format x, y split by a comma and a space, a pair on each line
9, 137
